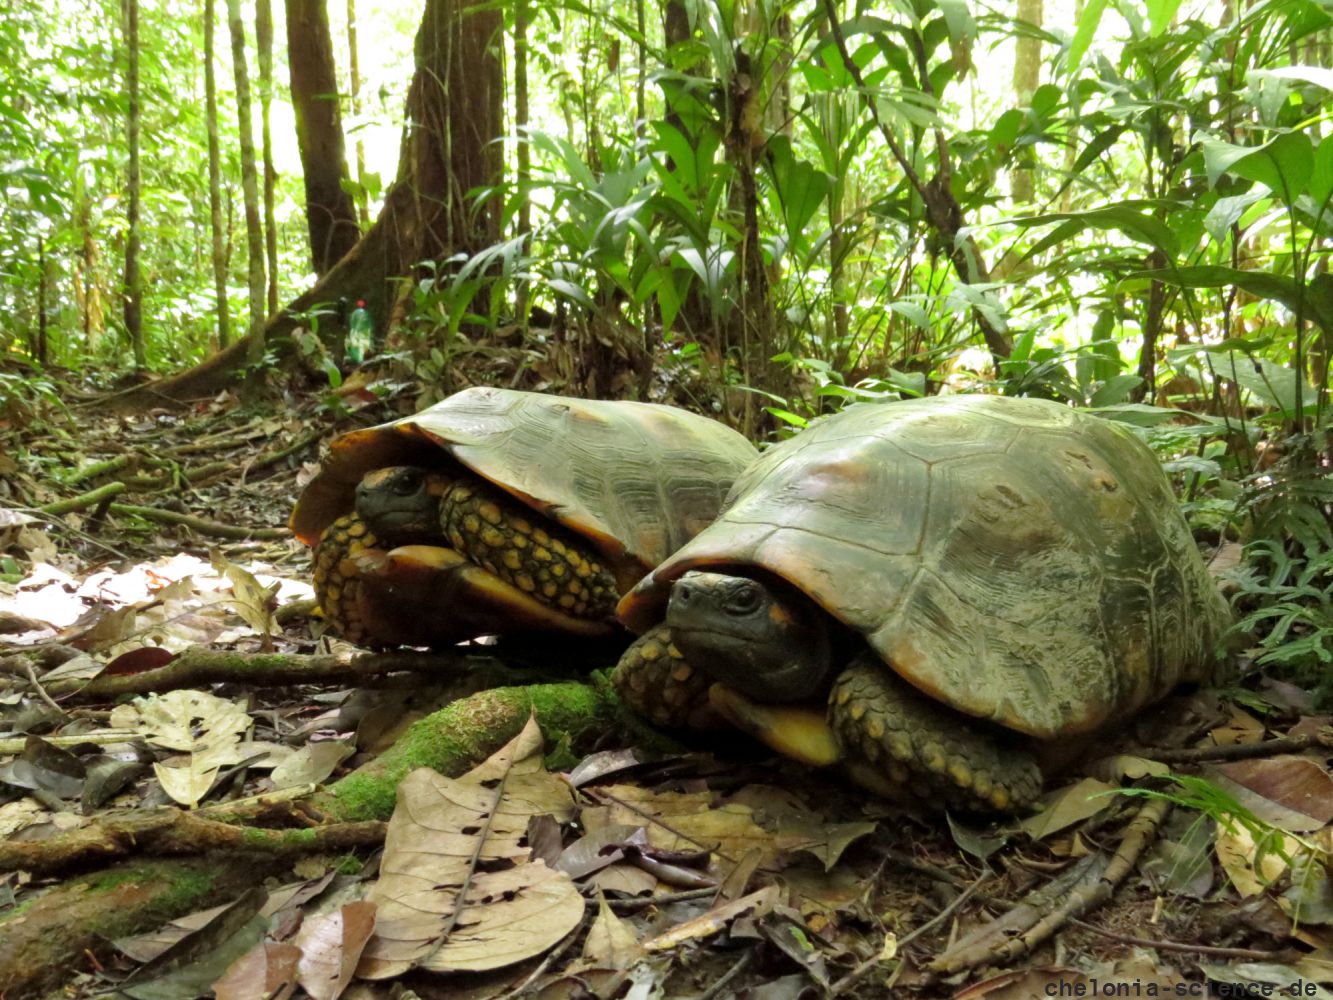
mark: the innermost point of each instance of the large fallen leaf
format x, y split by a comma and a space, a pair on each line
458, 890
612, 942
1066, 806
1253, 865
207, 730
1293, 793
684, 821
266, 970
331, 945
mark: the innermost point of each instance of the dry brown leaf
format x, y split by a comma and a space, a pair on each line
266, 970
253, 601
1066, 806
442, 903
755, 905
1301, 789
612, 942
1242, 727
331, 945
206, 729
683, 821
1249, 870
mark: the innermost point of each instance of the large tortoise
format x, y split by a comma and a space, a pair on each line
961, 578
505, 511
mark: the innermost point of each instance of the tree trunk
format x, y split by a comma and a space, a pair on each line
523, 152
39, 349
330, 212
133, 279
354, 58
264, 41
1027, 77
249, 187
453, 116
215, 181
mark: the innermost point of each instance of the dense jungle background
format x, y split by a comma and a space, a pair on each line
230, 232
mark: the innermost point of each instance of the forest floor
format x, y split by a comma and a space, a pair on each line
130, 543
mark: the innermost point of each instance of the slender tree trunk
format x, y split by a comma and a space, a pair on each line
354, 57
249, 187
39, 348
1027, 77
524, 152
641, 71
215, 181
90, 290
330, 213
133, 279
264, 41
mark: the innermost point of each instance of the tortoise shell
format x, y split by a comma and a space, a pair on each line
1012, 558
637, 480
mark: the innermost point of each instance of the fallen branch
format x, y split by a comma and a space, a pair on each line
84, 500
199, 666
103, 468
172, 832
1241, 751
199, 524
1088, 884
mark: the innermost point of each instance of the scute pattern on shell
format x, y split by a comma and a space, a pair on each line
635, 479
1013, 558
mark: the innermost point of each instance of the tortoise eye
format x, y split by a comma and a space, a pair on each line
407, 483
745, 599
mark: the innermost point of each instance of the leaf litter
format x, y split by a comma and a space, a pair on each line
633, 876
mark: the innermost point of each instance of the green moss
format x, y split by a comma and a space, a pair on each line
463, 734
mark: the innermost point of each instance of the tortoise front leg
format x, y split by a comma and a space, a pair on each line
544, 561
924, 747
657, 682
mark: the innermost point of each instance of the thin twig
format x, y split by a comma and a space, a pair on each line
1215, 951
551, 957
1241, 751
857, 974
41, 691
743, 964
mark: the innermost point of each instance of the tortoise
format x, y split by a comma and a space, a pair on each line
960, 581
500, 511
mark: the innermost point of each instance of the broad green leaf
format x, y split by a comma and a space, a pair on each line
1006, 128
1321, 176
1227, 212
1127, 219
1317, 75
800, 186
571, 291
962, 28
1160, 15
1099, 145
912, 311
1087, 27
1283, 164
1318, 305
1115, 390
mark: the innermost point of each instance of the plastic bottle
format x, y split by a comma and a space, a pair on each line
359, 331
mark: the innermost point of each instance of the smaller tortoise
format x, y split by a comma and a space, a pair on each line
960, 579
505, 511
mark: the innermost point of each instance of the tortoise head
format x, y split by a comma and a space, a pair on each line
401, 503
758, 636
